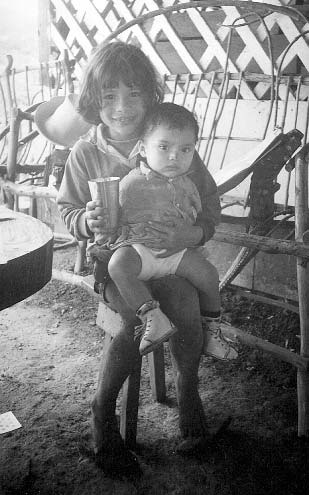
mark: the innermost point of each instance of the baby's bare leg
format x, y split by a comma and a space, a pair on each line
124, 267
202, 275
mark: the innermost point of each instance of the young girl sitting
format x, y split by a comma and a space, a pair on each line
119, 88
160, 191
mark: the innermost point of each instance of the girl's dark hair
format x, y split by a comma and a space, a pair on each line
111, 64
172, 115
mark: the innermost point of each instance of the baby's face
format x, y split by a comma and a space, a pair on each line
169, 151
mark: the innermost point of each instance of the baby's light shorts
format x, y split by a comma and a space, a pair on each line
154, 267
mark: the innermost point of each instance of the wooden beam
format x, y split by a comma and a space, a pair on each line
264, 298
30, 191
234, 76
266, 244
24, 169
301, 362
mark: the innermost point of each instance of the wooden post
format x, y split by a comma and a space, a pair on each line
301, 225
13, 143
43, 31
44, 38
68, 71
157, 374
8, 70
80, 256
12, 152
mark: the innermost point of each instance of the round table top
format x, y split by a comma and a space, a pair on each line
20, 234
26, 253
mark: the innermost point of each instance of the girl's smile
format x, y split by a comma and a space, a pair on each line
123, 110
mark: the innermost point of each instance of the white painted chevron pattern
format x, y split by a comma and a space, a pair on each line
192, 40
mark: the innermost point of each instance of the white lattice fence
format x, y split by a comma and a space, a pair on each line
198, 40
243, 68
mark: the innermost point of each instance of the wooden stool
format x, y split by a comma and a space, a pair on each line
110, 322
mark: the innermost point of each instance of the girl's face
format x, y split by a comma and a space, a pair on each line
123, 111
169, 151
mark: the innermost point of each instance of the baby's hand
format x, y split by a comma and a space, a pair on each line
106, 240
96, 217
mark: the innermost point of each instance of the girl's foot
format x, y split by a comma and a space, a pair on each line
193, 445
117, 461
110, 452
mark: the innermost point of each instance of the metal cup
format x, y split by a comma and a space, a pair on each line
106, 190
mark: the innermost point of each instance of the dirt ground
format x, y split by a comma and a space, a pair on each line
50, 351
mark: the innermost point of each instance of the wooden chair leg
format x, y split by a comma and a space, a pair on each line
80, 256
129, 406
157, 374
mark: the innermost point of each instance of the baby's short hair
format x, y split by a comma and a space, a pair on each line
172, 115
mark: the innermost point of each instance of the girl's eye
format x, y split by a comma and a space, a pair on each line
163, 147
187, 149
108, 97
135, 94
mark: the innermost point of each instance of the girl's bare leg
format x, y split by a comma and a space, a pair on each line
119, 361
179, 300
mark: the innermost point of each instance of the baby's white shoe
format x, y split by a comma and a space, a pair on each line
156, 328
215, 344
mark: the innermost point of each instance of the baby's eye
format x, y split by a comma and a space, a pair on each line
163, 147
187, 149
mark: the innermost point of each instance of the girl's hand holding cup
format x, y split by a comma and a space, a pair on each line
97, 217
103, 211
